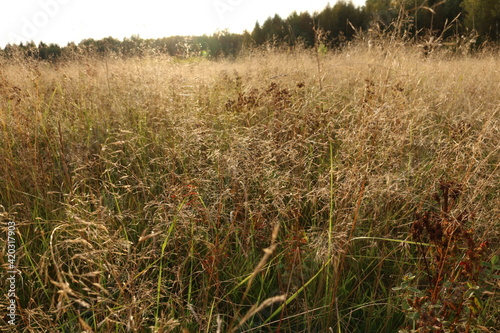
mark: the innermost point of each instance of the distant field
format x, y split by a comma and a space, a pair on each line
147, 193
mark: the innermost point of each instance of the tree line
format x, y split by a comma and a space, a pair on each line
337, 25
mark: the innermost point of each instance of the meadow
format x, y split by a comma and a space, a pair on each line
282, 191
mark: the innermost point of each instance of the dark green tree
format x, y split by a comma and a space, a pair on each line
50, 52
247, 40
381, 10
444, 13
258, 35
230, 44
133, 46
325, 20
273, 29
483, 16
340, 19
300, 28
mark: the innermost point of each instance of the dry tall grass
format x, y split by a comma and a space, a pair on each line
146, 189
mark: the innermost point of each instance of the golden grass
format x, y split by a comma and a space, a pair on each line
145, 189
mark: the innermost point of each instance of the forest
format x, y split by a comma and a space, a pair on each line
421, 20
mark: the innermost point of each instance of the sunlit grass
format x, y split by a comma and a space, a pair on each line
146, 189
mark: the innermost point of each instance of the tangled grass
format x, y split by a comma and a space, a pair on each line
145, 190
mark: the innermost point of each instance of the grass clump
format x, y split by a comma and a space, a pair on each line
145, 190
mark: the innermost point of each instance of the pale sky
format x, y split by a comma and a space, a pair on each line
62, 21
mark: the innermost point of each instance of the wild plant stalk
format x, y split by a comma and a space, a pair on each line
255, 309
320, 49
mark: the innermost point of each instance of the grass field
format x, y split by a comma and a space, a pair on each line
284, 191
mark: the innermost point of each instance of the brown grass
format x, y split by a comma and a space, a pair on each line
145, 189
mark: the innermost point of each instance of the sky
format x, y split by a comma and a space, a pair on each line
63, 21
